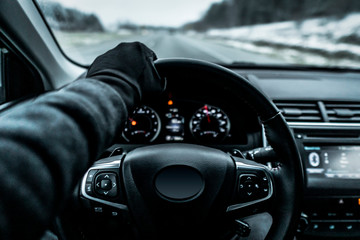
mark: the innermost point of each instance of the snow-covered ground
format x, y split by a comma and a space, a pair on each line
325, 41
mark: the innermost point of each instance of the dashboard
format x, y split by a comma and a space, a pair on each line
322, 109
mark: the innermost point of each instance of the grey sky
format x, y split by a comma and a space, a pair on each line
151, 12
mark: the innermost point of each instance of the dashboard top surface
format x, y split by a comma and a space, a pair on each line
306, 85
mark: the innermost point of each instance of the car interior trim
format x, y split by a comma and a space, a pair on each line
322, 124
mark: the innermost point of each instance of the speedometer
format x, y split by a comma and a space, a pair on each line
142, 126
210, 124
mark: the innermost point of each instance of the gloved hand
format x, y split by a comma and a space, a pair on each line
131, 63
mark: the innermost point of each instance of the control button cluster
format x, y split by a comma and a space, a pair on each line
102, 184
340, 227
252, 187
101, 193
106, 184
105, 211
336, 216
89, 180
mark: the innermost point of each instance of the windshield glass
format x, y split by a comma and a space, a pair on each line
270, 32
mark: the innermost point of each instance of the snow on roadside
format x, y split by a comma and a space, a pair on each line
324, 35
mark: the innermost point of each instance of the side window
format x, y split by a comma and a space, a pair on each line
18, 78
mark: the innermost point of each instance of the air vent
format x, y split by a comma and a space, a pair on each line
343, 112
300, 111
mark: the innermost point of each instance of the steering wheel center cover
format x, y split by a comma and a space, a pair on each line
169, 182
179, 183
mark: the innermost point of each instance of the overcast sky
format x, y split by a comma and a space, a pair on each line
149, 12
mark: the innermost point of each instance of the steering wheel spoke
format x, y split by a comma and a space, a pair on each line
253, 189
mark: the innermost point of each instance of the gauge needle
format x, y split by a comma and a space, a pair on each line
207, 113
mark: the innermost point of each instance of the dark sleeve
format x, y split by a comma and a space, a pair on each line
48, 143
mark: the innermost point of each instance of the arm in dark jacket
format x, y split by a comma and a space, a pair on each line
47, 144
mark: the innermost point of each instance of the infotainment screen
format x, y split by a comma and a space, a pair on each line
333, 161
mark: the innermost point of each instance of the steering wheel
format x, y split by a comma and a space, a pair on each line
188, 191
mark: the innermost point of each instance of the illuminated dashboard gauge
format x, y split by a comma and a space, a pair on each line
174, 126
210, 124
142, 126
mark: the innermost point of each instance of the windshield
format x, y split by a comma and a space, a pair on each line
265, 32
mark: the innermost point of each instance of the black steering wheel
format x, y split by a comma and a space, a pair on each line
188, 191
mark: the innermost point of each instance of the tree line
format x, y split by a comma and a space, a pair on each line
232, 13
69, 19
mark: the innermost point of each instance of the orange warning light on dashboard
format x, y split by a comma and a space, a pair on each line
170, 102
133, 123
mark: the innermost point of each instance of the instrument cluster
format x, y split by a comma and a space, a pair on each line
179, 121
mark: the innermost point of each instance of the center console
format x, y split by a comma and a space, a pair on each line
331, 160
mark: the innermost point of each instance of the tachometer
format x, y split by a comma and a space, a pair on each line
210, 124
142, 126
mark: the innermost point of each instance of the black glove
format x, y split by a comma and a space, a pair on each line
130, 63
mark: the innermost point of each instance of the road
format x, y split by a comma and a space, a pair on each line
168, 45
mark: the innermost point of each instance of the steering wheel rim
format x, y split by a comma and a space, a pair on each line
142, 171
